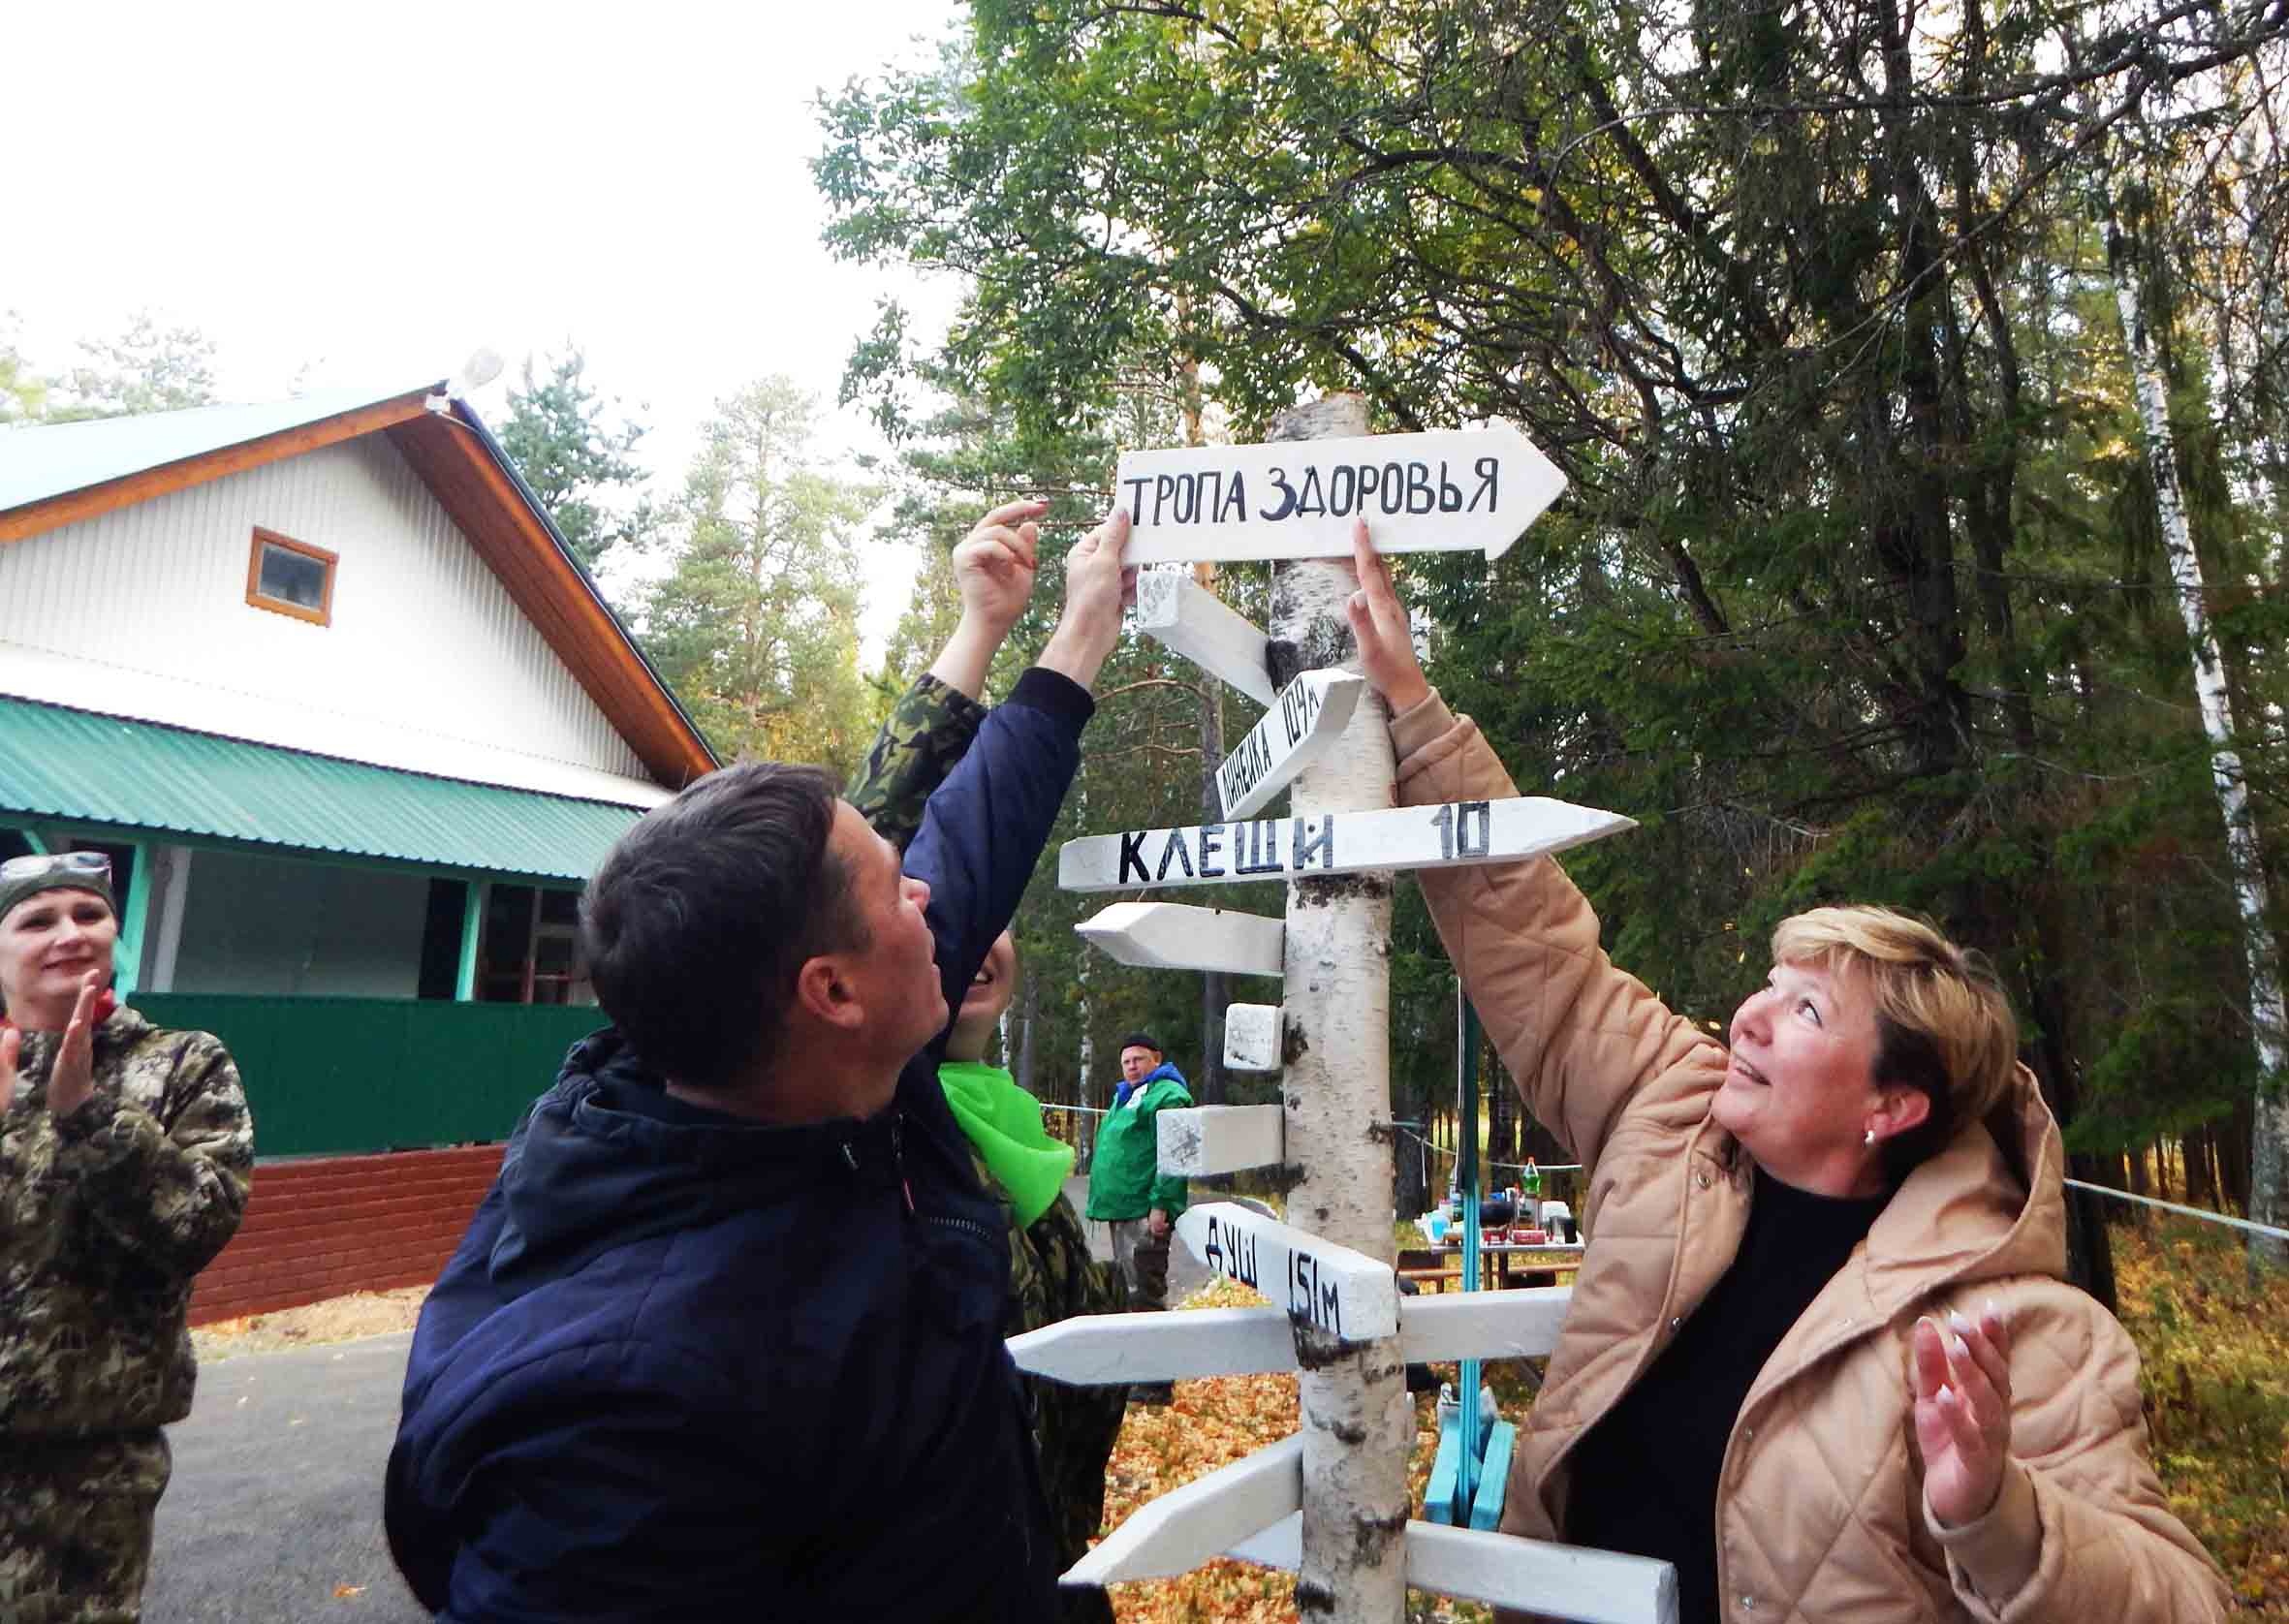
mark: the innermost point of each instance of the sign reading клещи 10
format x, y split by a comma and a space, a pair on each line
1453, 491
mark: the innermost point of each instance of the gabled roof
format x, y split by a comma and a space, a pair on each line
41, 463
57, 474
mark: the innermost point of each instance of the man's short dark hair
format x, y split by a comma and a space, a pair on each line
1141, 1039
699, 917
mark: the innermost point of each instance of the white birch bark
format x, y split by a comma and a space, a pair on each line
1356, 1420
2269, 1137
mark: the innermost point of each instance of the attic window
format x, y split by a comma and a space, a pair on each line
291, 577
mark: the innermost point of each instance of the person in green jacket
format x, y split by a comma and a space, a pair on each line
1127, 1189
1052, 1275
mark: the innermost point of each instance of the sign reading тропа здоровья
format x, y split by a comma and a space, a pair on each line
1447, 491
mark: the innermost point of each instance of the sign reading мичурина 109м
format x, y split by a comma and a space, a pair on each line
1455, 833
1451, 491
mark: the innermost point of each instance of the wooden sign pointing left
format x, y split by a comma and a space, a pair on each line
1206, 1141
1173, 936
1194, 622
1191, 1525
1330, 1287
1309, 715
1096, 1350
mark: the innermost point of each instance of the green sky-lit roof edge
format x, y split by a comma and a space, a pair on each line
76, 766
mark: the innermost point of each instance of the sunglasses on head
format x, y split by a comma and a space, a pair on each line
43, 864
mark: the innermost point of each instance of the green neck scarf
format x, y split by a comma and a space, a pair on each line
1003, 1123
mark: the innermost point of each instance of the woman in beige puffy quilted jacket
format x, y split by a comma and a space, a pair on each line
1822, 1353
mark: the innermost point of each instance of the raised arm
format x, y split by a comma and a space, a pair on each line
1585, 1041
984, 828
932, 724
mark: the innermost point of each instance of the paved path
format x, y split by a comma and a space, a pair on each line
277, 1492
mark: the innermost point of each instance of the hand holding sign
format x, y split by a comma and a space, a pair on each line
1379, 624
1445, 491
1098, 586
993, 566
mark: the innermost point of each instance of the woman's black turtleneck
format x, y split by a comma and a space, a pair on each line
1644, 1480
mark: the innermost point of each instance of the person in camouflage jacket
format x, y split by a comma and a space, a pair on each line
1052, 1275
125, 1153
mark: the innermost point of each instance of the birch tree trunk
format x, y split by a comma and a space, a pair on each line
1215, 987
2270, 1134
1356, 1420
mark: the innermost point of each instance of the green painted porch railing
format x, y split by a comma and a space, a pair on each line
335, 1075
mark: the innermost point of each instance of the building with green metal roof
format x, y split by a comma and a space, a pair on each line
326, 682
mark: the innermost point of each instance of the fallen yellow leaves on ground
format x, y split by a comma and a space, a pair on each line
1212, 1423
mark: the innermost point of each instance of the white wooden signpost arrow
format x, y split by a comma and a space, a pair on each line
1173, 936
1096, 1350
1317, 1283
1188, 1527
1251, 1038
1454, 834
1192, 621
1553, 1580
1335, 1301
1302, 724
1210, 1140
1453, 490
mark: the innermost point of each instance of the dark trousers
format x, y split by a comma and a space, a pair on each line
1143, 1259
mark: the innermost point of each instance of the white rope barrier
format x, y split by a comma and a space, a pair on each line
2172, 1206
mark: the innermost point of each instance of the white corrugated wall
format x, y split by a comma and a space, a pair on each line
427, 663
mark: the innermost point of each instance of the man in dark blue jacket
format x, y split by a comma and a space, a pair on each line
724, 1340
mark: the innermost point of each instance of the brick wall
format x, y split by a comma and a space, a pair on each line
322, 1227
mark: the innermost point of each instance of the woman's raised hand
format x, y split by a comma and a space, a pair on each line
1379, 624
1963, 1413
73, 1080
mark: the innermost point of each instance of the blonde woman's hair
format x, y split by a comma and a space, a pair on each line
1943, 1025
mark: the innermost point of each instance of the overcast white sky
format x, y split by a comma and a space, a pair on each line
381, 190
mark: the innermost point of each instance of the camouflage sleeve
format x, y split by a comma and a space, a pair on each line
927, 731
172, 1189
1053, 1277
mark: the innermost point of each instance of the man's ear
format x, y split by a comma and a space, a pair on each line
829, 996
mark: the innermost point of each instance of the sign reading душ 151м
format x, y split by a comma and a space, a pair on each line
1451, 491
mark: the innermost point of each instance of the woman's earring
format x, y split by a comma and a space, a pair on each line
1868, 1139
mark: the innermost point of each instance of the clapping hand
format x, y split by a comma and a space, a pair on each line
1963, 1413
71, 1080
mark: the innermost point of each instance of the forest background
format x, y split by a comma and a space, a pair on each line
1864, 586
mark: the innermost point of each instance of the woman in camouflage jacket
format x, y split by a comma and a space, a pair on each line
124, 1157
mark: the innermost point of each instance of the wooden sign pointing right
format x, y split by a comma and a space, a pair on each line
1458, 832
1548, 1580
1446, 491
1309, 715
